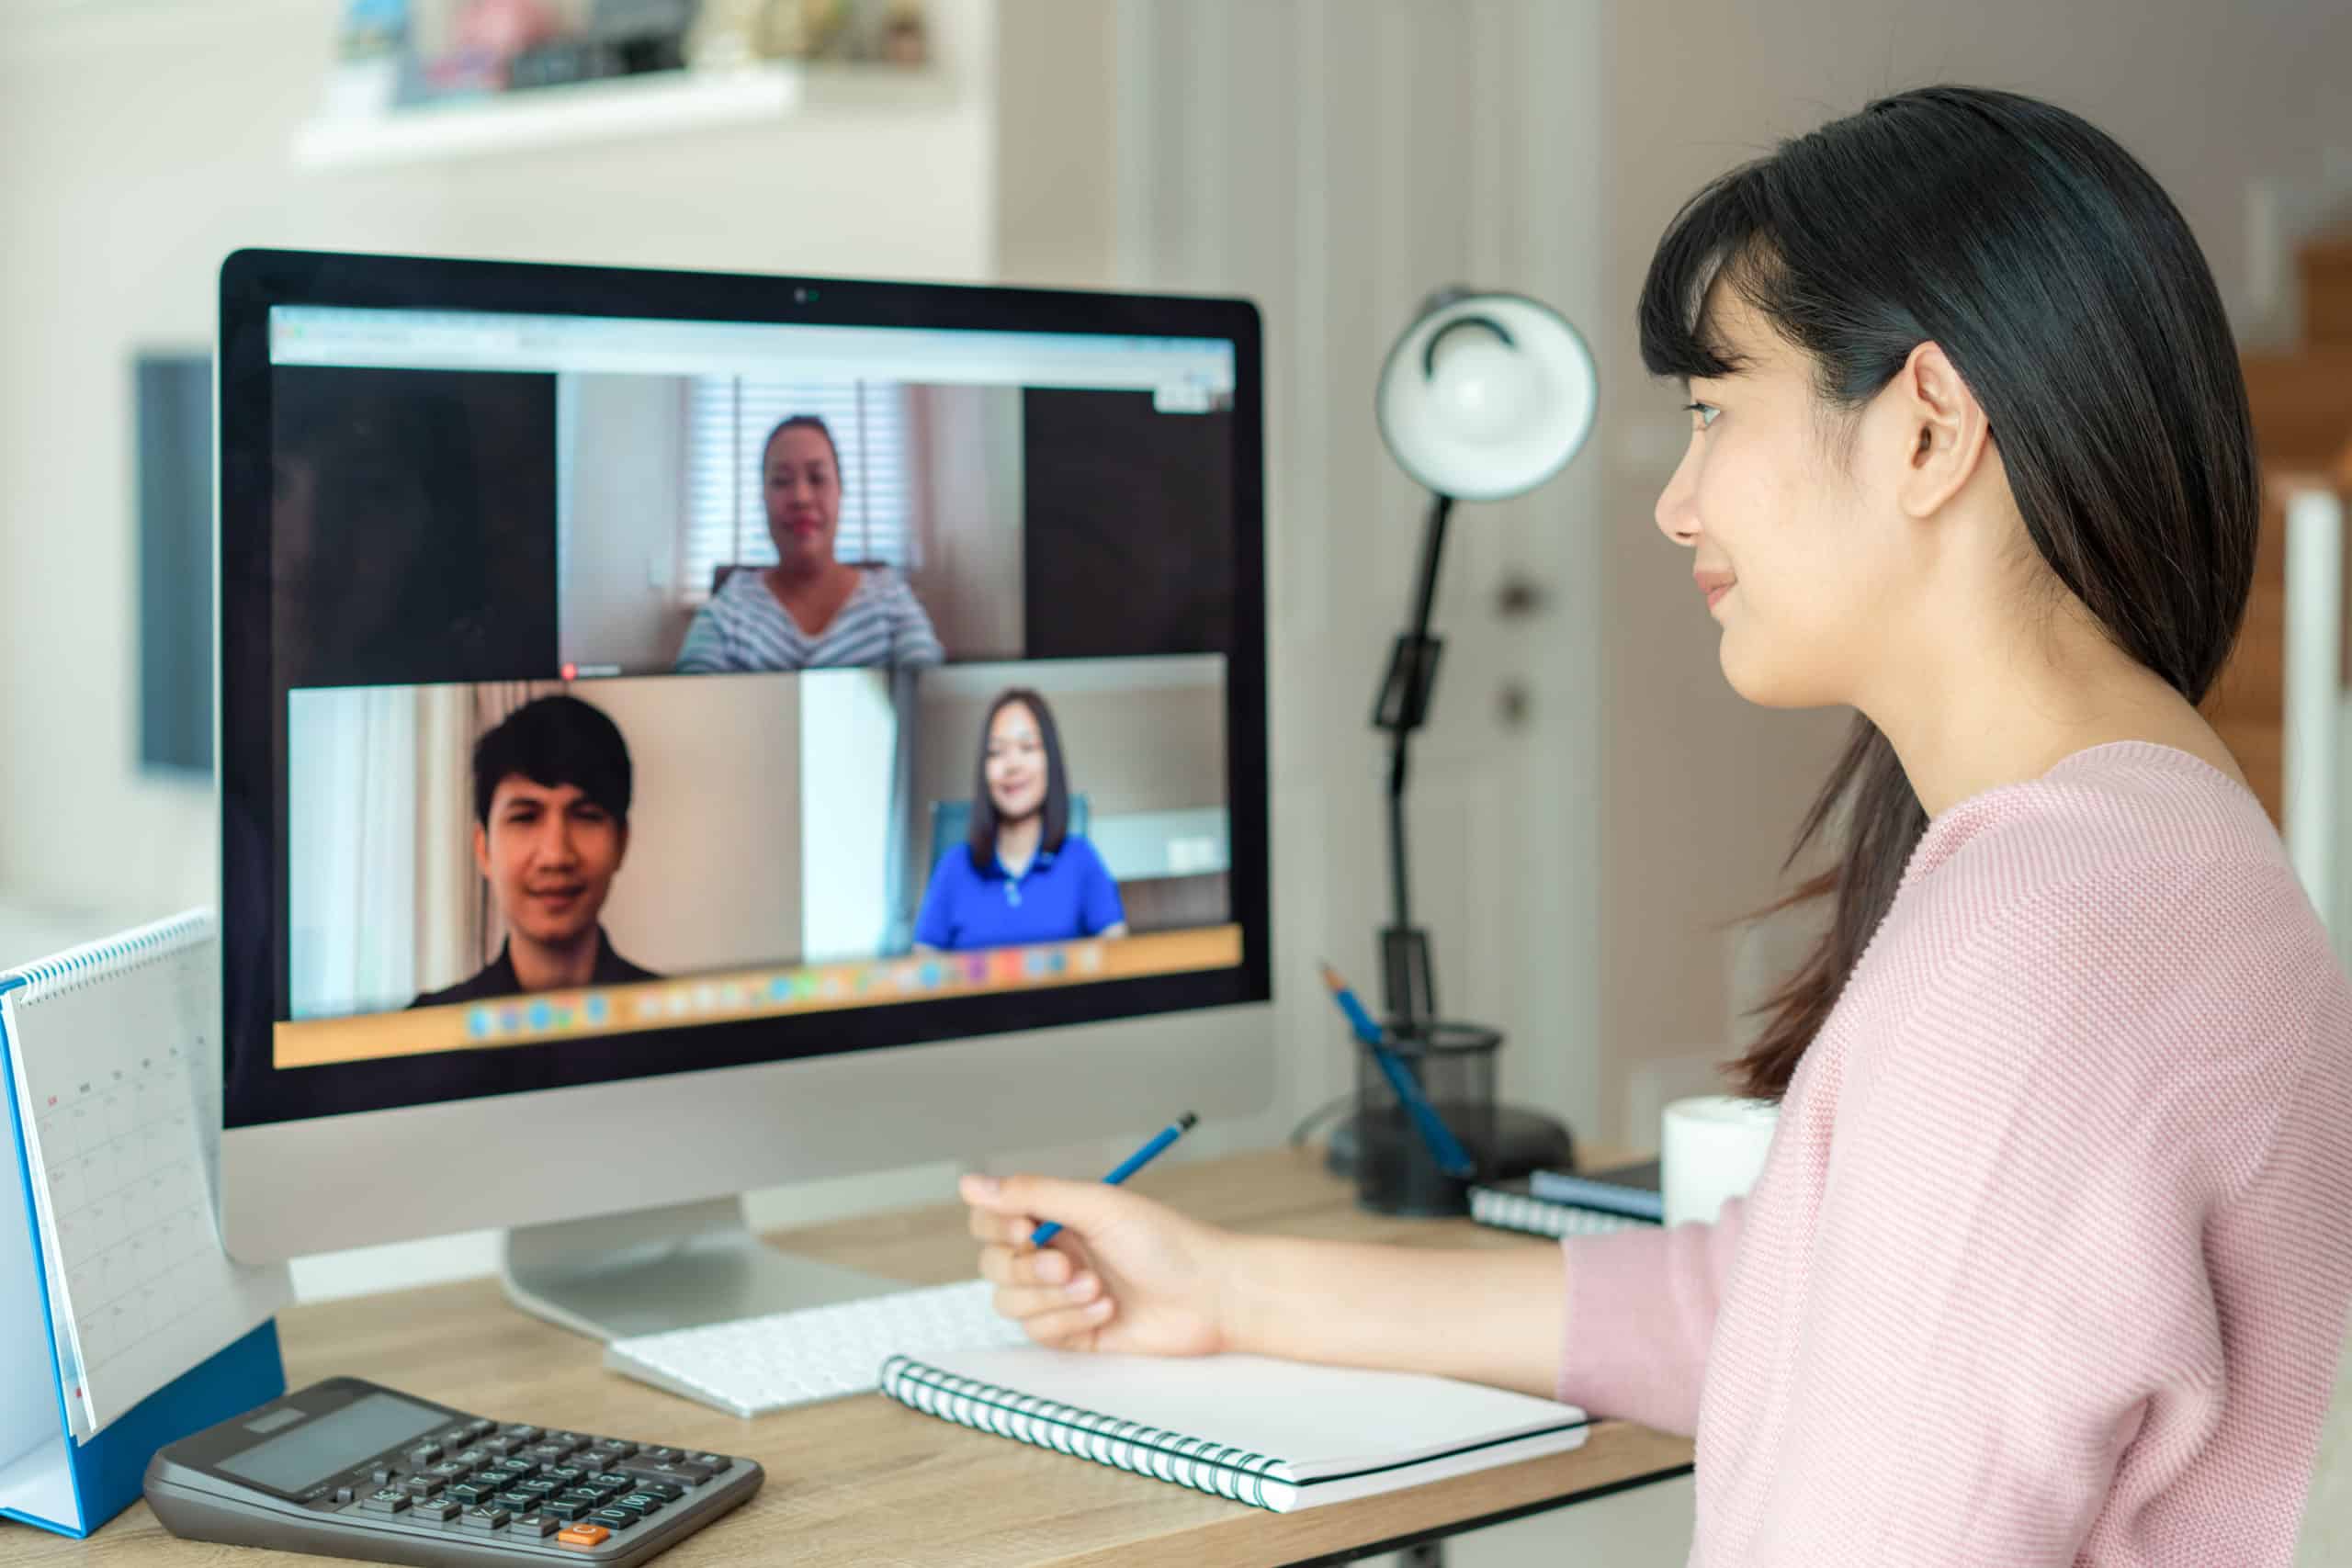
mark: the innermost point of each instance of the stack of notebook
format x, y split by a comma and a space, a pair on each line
1559, 1203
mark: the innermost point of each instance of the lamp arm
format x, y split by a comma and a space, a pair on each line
1410, 986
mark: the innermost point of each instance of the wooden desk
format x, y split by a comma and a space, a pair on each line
862, 1480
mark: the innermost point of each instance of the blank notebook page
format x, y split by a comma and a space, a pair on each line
1316, 1420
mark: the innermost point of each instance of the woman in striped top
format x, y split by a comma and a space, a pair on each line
811, 609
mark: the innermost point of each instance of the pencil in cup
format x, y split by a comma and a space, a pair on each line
1444, 1146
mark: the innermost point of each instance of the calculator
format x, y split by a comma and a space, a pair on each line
345, 1468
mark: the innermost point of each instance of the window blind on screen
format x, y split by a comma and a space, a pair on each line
729, 417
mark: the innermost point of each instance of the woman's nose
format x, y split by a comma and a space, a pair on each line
1677, 510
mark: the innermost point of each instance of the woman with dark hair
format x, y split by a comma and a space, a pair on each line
2050, 1257
1022, 876
811, 610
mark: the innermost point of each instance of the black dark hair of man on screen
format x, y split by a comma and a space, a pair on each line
552, 783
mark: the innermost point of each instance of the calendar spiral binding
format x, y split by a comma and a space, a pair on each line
92, 962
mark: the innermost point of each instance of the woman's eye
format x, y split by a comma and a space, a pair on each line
1705, 411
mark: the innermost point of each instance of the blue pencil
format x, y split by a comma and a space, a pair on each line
1128, 1166
1444, 1147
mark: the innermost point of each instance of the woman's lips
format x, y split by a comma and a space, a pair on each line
1714, 595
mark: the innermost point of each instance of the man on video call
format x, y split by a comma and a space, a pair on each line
551, 793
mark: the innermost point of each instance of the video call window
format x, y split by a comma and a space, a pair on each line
806, 677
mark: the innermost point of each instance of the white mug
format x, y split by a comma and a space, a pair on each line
1711, 1147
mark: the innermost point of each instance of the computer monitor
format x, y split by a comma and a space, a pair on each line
682, 732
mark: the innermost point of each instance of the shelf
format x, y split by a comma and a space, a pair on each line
625, 107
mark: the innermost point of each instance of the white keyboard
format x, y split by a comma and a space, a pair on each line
754, 1365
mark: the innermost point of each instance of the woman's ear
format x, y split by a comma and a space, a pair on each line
1944, 429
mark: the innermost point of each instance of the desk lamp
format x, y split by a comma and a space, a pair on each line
1485, 397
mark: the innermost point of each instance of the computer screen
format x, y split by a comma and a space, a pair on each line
667, 678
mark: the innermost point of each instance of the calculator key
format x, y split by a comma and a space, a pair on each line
569, 1440
387, 1500
642, 1502
613, 1448
584, 1535
475, 1491
472, 1457
545, 1453
535, 1523
590, 1459
455, 1438
477, 1427
563, 1475
658, 1456
613, 1519
668, 1491
485, 1516
717, 1464
343, 1493
518, 1465
611, 1484
523, 1430
565, 1509
424, 1454
451, 1470
503, 1445
383, 1475
439, 1508
516, 1502
423, 1485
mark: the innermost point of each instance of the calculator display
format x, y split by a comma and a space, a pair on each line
317, 1448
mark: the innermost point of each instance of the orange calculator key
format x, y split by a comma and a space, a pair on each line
584, 1535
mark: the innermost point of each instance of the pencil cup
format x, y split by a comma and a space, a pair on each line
1396, 1173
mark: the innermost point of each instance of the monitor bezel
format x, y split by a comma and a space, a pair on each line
249, 713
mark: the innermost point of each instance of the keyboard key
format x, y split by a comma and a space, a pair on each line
584, 1535
717, 1464
485, 1516
613, 1519
387, 1500
534, 1524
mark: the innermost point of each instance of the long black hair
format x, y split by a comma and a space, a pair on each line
2067, 291
1057, 809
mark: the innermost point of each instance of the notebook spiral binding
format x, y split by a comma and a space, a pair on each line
1234, 1474
85, 966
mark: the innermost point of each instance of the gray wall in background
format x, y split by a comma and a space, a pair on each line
173, 393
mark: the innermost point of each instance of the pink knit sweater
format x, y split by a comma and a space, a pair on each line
2050, 1260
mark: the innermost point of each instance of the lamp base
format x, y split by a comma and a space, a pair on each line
1522, 1140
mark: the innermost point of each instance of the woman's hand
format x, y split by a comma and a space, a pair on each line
1124, 1274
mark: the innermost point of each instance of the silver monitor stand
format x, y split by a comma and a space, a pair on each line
670, 1267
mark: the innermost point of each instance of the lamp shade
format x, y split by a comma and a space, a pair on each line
1486, 395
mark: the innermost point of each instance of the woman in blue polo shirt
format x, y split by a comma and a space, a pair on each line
1023, 876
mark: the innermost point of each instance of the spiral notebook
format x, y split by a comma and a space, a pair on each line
126, 1326
1278, 1435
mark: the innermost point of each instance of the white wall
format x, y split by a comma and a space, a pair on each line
621, 468
143, 142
